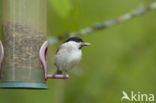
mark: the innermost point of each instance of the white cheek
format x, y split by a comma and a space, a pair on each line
73, 44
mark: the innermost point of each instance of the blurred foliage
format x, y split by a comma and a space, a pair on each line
120, 58
58, 5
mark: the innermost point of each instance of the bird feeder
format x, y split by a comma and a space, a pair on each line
23, 50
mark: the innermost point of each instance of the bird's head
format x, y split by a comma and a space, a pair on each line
77, 42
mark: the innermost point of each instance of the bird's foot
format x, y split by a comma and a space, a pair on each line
60, 76
65, 76
54, 75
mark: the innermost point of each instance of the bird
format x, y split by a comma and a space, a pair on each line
69, 54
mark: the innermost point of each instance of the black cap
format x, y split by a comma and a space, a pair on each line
76, 39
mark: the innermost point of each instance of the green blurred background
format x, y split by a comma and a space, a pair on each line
122, 57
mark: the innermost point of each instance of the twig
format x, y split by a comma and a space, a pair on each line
103, 25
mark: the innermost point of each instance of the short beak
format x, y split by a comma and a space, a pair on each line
85, 44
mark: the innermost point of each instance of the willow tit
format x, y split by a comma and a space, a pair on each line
69, 54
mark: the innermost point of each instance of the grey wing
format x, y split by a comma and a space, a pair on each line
55, 56
57, 53
58, 49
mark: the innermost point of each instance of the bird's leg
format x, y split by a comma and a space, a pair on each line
54, 75
57, 72
60, 75
65, 74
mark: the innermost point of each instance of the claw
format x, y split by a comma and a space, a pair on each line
64, 76
54, 75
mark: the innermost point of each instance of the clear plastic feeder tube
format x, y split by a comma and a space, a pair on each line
24, 31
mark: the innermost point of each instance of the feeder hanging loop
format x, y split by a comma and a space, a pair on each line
1, 55
43, 57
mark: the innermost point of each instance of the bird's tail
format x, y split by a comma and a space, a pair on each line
59, 72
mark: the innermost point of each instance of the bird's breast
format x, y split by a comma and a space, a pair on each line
66, 59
